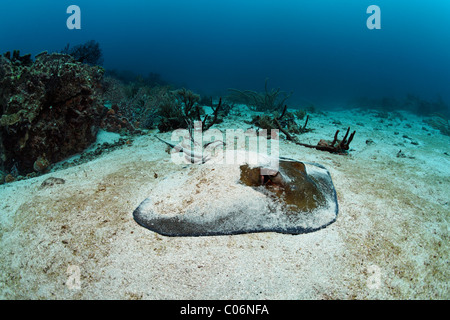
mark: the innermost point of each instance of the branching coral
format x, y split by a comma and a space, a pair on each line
274, 121
173, 112
270, 100
334, 146
88, 52
181, 108
147, 107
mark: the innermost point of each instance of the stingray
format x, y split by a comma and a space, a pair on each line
213, 198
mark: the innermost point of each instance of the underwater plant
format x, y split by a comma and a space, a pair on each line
270, 100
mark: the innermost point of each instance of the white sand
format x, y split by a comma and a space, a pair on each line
390, 240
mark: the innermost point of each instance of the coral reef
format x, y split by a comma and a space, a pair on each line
48, 108
17, 59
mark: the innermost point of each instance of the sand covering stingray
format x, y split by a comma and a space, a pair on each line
220, 199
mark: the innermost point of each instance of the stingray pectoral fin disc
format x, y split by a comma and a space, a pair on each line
223, 200
173, 225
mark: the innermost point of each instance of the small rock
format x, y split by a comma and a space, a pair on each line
9, 178
369, 142
41, 164
400, 154
31, 175
50, 182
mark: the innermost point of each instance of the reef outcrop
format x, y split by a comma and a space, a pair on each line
50, 108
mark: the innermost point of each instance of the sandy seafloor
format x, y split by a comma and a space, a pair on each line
390, 240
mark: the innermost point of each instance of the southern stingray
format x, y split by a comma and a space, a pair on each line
213, 198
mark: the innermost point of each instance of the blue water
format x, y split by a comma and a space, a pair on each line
321, 50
